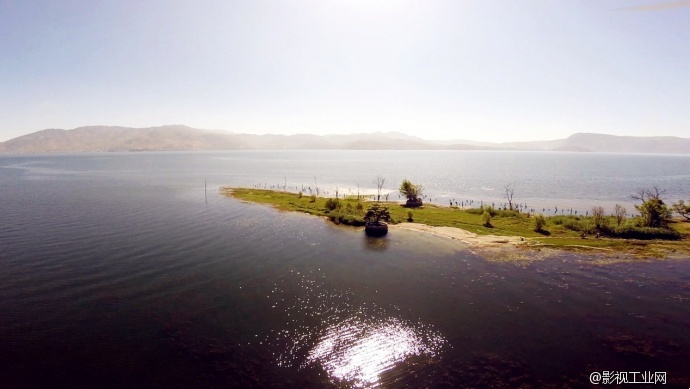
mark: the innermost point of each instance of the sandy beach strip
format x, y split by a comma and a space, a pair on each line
464, 236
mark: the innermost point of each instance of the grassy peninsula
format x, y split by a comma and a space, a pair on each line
561, 232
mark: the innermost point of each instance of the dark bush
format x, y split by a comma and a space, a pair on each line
341, 215
332, 204
347, 219
635, 232
539, 223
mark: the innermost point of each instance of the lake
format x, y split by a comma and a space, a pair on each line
120, 270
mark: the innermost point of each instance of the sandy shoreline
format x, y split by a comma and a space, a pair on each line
464, 236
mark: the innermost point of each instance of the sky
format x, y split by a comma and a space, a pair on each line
482, 70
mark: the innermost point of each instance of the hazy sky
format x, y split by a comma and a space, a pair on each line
483, 70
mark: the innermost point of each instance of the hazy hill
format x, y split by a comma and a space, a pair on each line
609, 143
179, 137
103, 138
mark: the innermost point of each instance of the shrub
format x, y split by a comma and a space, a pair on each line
656, 213
567, 221
360, 207
409, 216
486, 217
299, 195
376, 214
411, 191
332, 204
352, 220
312, 199
653, 210
341, 217
577, 223
588, 226
635, 232
539, 223
346, 215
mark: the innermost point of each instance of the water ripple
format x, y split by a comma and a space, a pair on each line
354, 341
358, 352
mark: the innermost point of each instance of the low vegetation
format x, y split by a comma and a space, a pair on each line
486, 218
616, 231
539, 224
377, 214
492, 211
608, 226
349, 211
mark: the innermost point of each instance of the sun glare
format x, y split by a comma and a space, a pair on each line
359, 352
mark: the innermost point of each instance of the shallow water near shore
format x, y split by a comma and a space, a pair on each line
124, 277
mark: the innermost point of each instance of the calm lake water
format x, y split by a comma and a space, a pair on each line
116, 270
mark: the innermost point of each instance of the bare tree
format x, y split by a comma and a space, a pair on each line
647, 194
510, 188
619, 213
598, 214
380, 181
653, 210
682, 209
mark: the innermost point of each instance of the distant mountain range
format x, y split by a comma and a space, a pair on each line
183, 138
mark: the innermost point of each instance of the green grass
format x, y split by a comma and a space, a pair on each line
560, 231
287, 201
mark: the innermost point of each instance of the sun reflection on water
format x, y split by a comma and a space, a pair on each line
352, 339
358, 352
